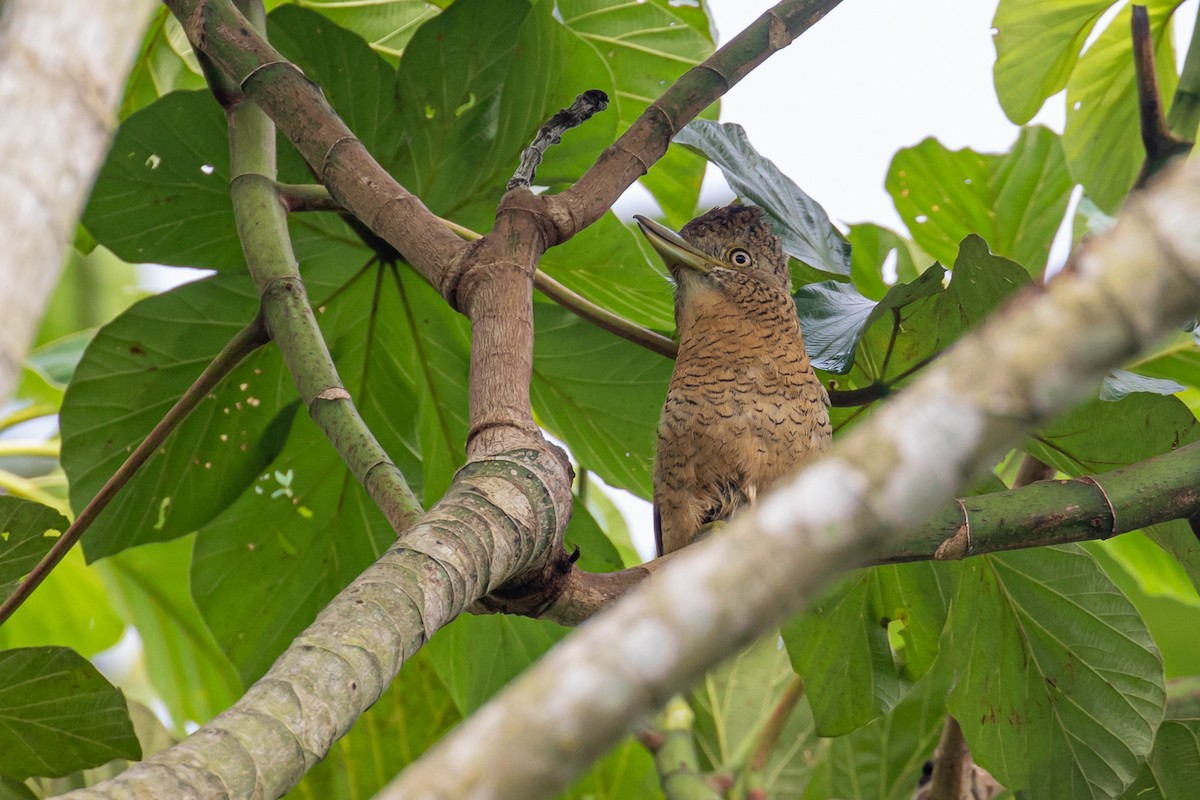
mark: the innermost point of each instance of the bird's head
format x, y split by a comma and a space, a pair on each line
721, 248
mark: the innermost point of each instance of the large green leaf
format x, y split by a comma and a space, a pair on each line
450, 88
386, 25
1102, 137
163, 193
1173, 769
1037, 46
870, 248
599, 394
132, 372
27, 532
71, 607
888, 341
612, 266
414, 712
59, 714
796, 218
626, 771
165, 64
1016, 201
149, 585
475, 656
645, 47
884, 760
152, 736
1100, 436
1059, 688
862, 646
733, 705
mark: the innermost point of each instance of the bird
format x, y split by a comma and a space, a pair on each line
744, 407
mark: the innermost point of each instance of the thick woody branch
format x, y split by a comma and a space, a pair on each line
340, 665
886, 476
299, 109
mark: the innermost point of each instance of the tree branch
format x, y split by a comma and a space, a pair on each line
885, 476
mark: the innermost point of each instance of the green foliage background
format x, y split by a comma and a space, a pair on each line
245, 524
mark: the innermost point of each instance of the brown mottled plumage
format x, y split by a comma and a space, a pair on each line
744, 407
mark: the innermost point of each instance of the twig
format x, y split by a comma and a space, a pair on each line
245, 342
550, 134
1160, 144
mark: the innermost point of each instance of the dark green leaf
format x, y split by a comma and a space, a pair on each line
449, 91
132, 372
884, 760
870, 248
599, 394
59, 714
832, 315
1100, 436
1173, 769
163, 193
796, 218
1048, 655
1015, 201
27, 532
862, 646
150, 586
915, 322
1037, 46
475, 656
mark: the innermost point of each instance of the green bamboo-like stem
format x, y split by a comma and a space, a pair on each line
244, 342
262, 225
673, 745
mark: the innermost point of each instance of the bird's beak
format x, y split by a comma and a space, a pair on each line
672, 247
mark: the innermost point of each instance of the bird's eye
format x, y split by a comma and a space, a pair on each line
740, 258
